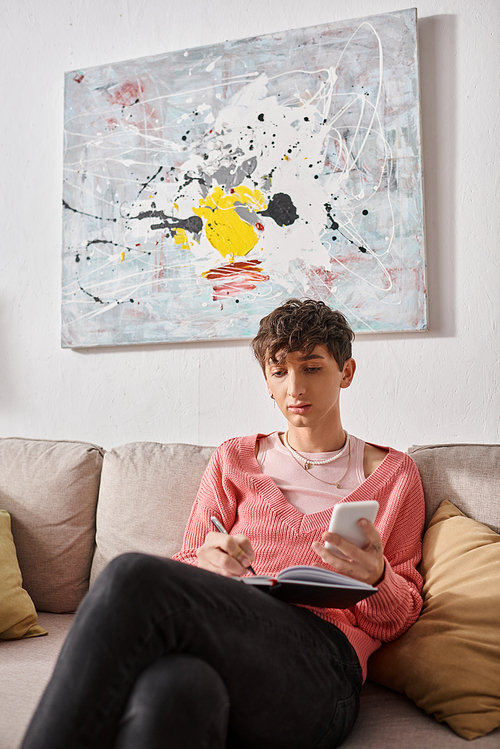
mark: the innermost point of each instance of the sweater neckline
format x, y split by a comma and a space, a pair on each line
294, 519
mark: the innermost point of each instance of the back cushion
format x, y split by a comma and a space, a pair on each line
50, 490
147, 491
466, 475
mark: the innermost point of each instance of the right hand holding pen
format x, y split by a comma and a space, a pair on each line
227, 555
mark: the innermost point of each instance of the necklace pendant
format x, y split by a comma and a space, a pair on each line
306, 466
338, 486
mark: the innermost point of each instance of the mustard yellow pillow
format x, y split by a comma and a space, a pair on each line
448, 662
18, 617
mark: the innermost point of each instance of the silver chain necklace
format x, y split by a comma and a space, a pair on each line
330, 483
307, 461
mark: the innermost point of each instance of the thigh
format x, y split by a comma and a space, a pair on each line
292, 683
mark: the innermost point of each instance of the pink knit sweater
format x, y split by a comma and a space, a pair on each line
247, 501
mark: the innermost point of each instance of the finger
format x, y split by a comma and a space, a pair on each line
345, 566
374, 542
329, 556
246, 547
217, 560
229, 566
346, 548
238, 548
214, 555
365, 564
223, 542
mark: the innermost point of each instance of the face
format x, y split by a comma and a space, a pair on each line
306, 388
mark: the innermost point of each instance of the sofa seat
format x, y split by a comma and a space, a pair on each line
25, 669
389, 720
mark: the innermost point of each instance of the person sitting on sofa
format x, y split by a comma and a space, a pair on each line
165, 653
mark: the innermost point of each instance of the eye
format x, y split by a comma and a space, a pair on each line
313, 369
278, 373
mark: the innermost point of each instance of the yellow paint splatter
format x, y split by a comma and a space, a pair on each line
224, 228
181, 238
122, 257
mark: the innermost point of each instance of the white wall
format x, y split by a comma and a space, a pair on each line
442, 385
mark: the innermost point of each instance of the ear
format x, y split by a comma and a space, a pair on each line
270, 392
348, 373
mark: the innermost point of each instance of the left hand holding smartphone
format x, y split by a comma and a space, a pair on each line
366, 564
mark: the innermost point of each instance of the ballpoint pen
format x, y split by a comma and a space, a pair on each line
221, 529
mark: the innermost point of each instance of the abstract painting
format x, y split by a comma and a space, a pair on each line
204, 187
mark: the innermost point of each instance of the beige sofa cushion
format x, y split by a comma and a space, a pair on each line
147, 491
18, 617
467, 475
50, 490
449, 660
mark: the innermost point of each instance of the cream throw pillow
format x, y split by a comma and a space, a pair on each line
448, 662
18, 617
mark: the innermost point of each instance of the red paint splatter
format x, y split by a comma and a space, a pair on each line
130, 94
259, 226
328, 277
126, 94
235, 278
223, 271
78, 77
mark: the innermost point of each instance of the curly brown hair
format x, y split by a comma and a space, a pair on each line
300, 325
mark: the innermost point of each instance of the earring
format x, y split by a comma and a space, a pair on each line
271, 396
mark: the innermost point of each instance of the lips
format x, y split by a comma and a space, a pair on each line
299, 408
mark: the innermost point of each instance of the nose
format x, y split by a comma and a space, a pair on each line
296, 386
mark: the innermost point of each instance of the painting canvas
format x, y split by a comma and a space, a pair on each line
204, 187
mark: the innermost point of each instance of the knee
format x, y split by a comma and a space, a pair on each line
179, 699
127, 573
177, 681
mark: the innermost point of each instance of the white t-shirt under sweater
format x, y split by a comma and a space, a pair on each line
304, 489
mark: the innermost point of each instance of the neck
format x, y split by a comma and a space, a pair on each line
310, 441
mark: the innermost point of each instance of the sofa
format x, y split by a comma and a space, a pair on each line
73, 506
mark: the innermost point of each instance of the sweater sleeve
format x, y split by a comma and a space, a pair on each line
388, 614
214, 498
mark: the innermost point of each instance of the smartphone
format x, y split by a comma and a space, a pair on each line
345, 522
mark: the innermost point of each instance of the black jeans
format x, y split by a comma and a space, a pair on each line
163, 654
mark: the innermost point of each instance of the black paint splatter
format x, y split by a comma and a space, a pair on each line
95, 298
143, 186
333, 225
98, 300
75, 210
281, 209
193, 224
